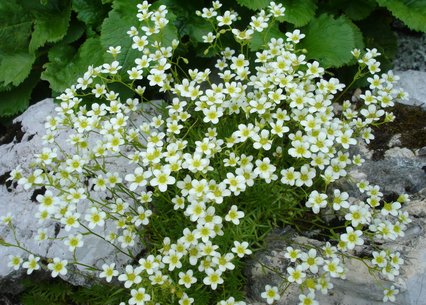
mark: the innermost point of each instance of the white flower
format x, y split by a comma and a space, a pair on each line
111, 68
296, 275
162, 178
271, 294
340, 200
389, 294
333, 267
264, 169
108, 272
379, 258
226, 19
95, 217
307, 299
262, 141
316, 201
223, 262
142, 217
131, 276
31, 264
234, 215
58, 266
241, 248
292, 254
295, 36
139, 297
74, 241
213, 278
70, 220
15, 262
173, 260
187, 278
352, 238
311, 261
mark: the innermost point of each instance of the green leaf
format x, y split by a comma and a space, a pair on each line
411, 12
126, 8
261, 39
114, 33
15, 67
17, 99
92, 12
378, 34
6, 88
197, 27
360, 9
298, 12
75, 31
15, 27
49, 27
38, 9
254, 4
66, 65
330, 41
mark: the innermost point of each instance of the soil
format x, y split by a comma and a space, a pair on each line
11, 133
410, 124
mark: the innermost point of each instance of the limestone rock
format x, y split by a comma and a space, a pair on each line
22, 205
414, 82
359, 287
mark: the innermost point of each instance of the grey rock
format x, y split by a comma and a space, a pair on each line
359, 287
421, 151
414, 83
18, 201
411, 53
396, 175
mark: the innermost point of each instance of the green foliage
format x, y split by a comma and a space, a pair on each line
261, 39
358, 10
66, 31
15, 67
299, 13
254, 4
50, 26
114, 28
66, 64
92, 13
330, 40
16, 99
411, 12
58, 292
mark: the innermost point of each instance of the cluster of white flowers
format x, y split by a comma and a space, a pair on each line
269, 120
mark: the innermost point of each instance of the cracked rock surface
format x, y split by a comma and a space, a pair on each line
19, 150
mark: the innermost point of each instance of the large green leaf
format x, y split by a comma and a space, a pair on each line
15, 67
17, 99
114, 34
360, 9
66, 65
261, 39
15, 27
75, 31
44, 8
197, 27
330, 41
411, 12
298, 12
51, 26
254, 4
378, 34
92, 12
